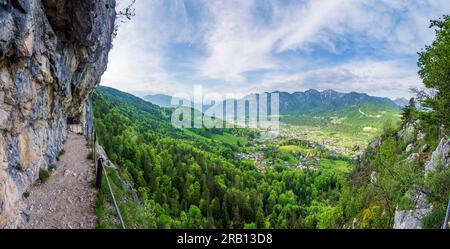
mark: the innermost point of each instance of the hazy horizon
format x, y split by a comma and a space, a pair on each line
142, 94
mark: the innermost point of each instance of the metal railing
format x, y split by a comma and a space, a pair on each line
447, 216
101, 169
91, 137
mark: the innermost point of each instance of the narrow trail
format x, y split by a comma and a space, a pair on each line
67, 199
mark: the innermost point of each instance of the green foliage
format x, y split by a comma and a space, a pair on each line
434, 69
376, 200
409, 111
389, 126
52, 167
323, 216
437, 184
90, 156
60, 154
372, 217
435, 219
388, 177
43, 175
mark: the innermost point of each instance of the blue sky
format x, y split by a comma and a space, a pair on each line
243, 46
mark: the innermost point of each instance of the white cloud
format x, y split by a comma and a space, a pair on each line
233, 41
303, 23
238, 44
137, 60
379, 78
235, 44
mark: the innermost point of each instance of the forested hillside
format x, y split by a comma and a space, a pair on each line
231, 178
184, 180
403, 178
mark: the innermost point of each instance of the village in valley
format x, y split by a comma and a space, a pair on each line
305, 148
293, 154
305, 163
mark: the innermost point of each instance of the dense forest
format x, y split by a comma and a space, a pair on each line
180, 178
184, 181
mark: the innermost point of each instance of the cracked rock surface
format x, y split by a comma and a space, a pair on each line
52, 55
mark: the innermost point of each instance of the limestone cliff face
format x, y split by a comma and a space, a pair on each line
52, 55
412, 219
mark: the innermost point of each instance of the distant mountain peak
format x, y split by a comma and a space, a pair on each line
315, 101
402, 102
312, 91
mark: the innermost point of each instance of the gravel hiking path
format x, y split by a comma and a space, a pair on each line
67, 199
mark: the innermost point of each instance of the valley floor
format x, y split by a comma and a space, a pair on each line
66, 200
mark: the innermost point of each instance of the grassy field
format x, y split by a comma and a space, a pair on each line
230, 139
290, 148
345, 127
339, 165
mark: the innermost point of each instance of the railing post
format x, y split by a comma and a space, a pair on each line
447, 215
99, 173
94, 142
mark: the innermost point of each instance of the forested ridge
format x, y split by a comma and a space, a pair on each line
195, 179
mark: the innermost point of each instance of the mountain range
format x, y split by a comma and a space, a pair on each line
163, 100
310, 101
313, 101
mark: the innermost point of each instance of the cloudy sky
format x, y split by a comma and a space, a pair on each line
243, 46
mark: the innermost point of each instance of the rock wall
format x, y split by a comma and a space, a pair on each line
412, 219
440, 156
52, 55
